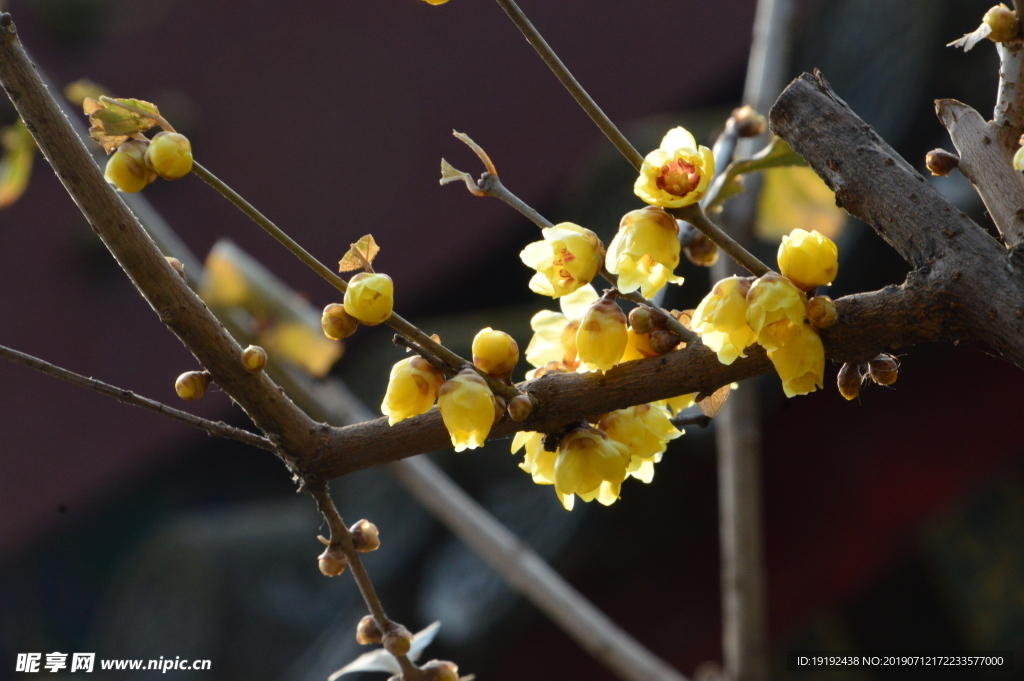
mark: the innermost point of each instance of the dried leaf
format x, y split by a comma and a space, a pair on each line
381, 660
19, 150
777, 154
712, 404
359, 255
973, 38
112, 125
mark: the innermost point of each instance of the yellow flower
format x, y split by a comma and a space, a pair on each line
126, 169
1018, 159
808, 259
554, 333
370, 298
674, 405
496, 353
467, 407
590, 465
774, 307
601, 338
677, 173
539, 462
638, 346
412, 389
568, 258
645, 251
645, 430
721, 319
800, 362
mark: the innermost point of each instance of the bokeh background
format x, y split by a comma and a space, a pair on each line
895, 522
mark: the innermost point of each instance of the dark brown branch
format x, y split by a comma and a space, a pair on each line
215, 428
869, 323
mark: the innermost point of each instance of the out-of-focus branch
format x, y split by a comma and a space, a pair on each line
215, 428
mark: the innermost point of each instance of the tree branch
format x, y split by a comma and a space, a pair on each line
1010, 99
215, 428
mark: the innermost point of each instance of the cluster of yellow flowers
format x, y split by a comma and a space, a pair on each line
774, 311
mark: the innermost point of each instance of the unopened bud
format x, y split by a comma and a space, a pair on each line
1003, 22
192, 385
884, 369
640, 319
176, 264
663, 341
370, 297
397, 640
821, 312
701, 251
126, 168
940, 162
601, 339
169, 155
254, 358
749, 123
368, 632
365, 537
849, 380
520, 407
440, 670
332, 561
336, 323
496, 353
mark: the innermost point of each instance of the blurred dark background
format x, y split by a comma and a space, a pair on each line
893, 523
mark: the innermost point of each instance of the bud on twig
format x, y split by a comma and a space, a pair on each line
254, 358
663, 341
941, 162
1003, 22
192, 385
884, 369
749, 123
336, 323
440, 670
368, 632
365, 537
520, 408
397, 640
821, 312
850, 378
640, 319
332, 561
176, 264
701, 251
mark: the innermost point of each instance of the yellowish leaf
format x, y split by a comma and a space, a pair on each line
113, 125
797, 197
360, 255
712, 404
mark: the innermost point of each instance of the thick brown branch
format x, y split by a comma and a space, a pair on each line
178, 307
984, 282
869, 323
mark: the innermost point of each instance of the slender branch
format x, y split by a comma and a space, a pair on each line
215, 428
534, 37
340, 536
696, 217
490, 185
699, 420
395, 321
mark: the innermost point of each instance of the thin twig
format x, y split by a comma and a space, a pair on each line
699, 420
403, 342
395, 321
571, 84
215, 428
696, 217
340, 536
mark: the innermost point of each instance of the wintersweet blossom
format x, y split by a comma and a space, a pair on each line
496, 353
568, 258
467, 407
590, 465
539, 462
677, 173
412, 389
800, 361
721, 319
554, 333
774, 304
370, 297
645, 430
808, 259
602, 336
645, 251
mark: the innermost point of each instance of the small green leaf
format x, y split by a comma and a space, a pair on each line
113, 125
19, 150
777, 154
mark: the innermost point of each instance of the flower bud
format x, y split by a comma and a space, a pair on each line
640, 319
601, 339
775, 307
467, 407
439, 670
849, 380
169, 155
821, 312
192, 385
940, 162
808, 259
701, 251
677, 173
365, 537
520, 408
496, 353
884, 369
645, 251
663, 341
332, 561
126, 168
397, 640
368, 632
1003, 22
412, 389
568, 258
336, 323
176, 264
254, 358
749, 123
370, 297
721, 319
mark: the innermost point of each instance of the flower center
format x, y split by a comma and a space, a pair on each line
678, 177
